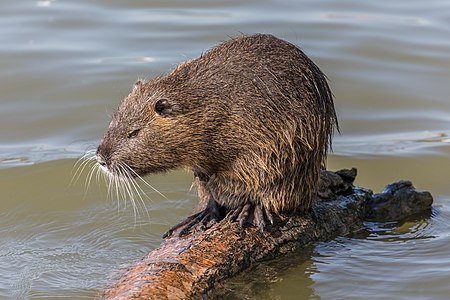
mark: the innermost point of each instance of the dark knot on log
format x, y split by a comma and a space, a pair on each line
398, 201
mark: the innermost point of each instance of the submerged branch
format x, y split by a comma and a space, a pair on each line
190, 267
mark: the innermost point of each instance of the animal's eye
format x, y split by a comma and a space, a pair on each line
133, 133
163, 107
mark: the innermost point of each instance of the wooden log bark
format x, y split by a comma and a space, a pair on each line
189, 267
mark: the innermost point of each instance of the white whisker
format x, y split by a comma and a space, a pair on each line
128, 182
138, 190
89, 176
114, 179
80, 165
145, 182
122, 186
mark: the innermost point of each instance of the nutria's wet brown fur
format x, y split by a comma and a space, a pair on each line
252, 117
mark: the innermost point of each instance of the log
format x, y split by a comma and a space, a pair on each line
190, 267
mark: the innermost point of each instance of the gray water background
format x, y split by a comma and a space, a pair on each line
65, 65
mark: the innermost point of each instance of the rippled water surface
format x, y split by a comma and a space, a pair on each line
65, 65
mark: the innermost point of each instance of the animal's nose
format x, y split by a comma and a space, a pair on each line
100, 160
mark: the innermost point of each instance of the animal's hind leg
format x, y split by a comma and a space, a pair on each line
254, 214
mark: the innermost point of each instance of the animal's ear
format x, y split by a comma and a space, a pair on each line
164, 108
137, 84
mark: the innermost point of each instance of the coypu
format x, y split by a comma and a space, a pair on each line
252, 117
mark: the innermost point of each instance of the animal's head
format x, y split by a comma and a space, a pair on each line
148, 133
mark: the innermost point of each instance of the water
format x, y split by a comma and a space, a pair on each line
65, 65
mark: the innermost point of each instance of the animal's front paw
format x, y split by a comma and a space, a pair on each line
201, 220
